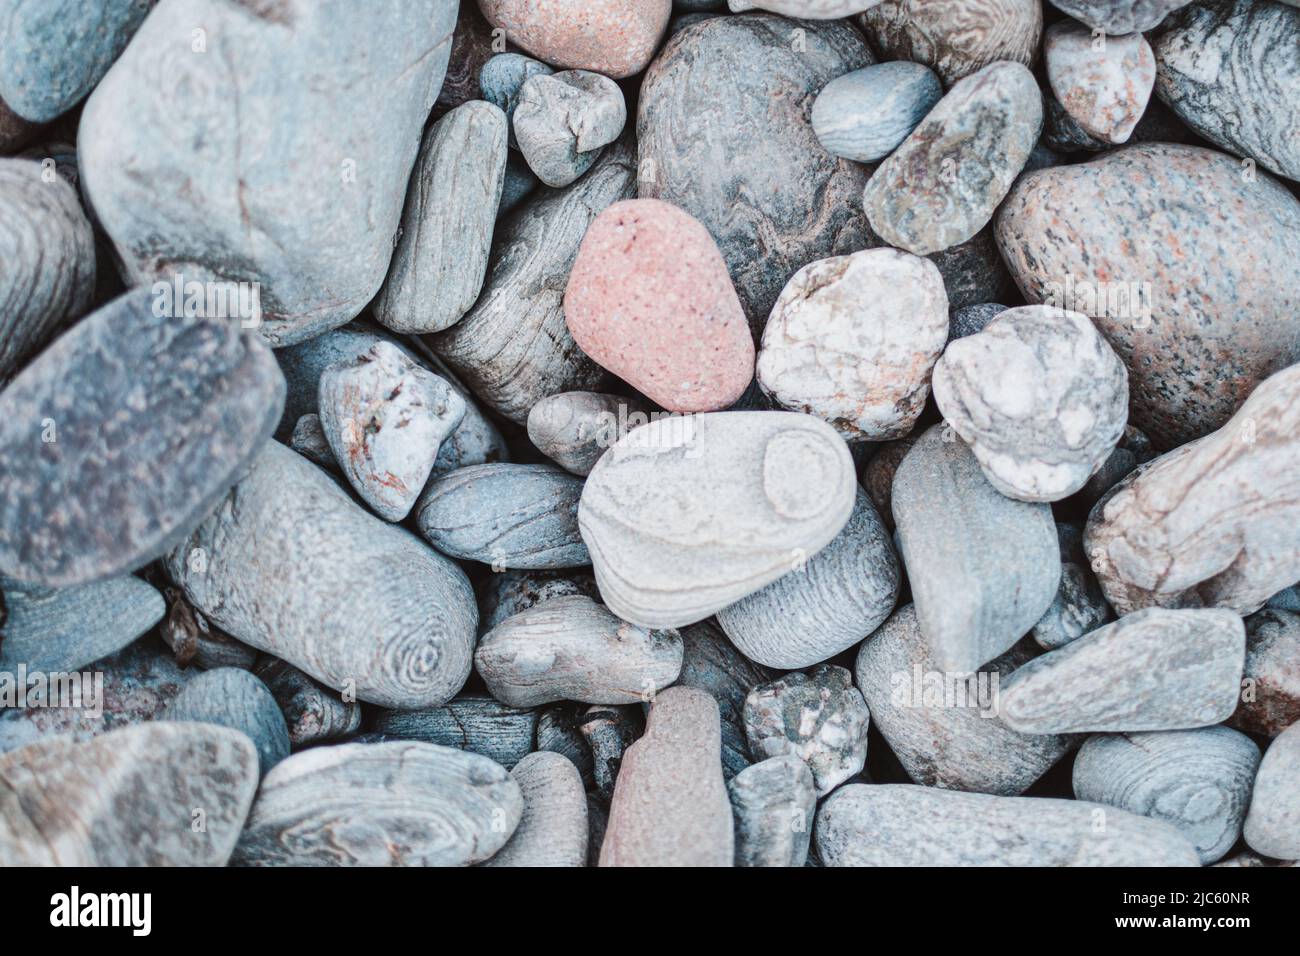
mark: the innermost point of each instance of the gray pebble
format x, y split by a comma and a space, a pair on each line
574, 429
609, 731
1134, 449
553, 828
1270, 696
563, 120
510, 592
773, 803
503, 77
972, 319
472, 722
878, 475
1119, 17
557, 732
309, 440
234, 698
313, 712
1273, 822
519, 183
1079, 607
866, 114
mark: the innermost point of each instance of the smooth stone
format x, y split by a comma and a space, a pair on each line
84, 427
907, 825
670, 805
1150, 670
309, 440
48, 248
292, 178
1231, 71
852, 341
982, 567
553, 828
1273, 822
1104, 90
130, 798
613, 37
1124, 238
865, 115
473, 722
441, 257
505, 515
506, 594
1270, 697
1197, 780
819, 717
571, 648
313, 712
501, 80
1118, 17
878, 475
1134, 449
574, 429
234, 698
563, 120
738, 498
804, 9
193, 640
944, 183
649, 299
942, 726
609, 731
513, 348
269, 565
835, 599
773, 803
471, 49
971, 319
385, 418
1078, 608
397, 803
1214, 523
752, 170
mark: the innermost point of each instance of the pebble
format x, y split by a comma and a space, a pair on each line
670, 805
574, 429
563, 120
1105, 90
473, 722
385, 418
501, 80
1151, 670
505, 515
1273, 823
396, 803
1078, 608
1118, 17
1040, 398
1231, 71
1270, 698
751, 169
878, 475
131, 798
853, 339
234, 698
843, 593
865, 115
270, 564
609, 731
1215, 522
571, 648
1197, 780
441, 257
907, 825
313, 712
613, 37
982, 567
309, 440
510, 592
971, 319
943, 726
1124, 239
740, 499
48, 248
773, 803
819, 717
648, 278
943, 184
553, 828
83, 427
1134, 449
301, 188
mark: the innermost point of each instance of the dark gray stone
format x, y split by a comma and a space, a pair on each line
473, 722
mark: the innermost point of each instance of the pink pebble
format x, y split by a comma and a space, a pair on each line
614, 37
650, 299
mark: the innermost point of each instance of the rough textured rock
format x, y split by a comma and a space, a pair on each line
313, 712
609, 731
865, 115
291, 178
1079, 607
649, 299
553, 828
571, 648
907, 825
773, 803
755, 176
1151, 670
131, 798
381, 804
1040, 398
501, 79
852, 340
441, 257
1270, 697
1104, 90
1124, 239
878, 475
471, 49
234, 698
83, 426
1213, 523
309, 440
1273, 823
670, 805
943, 184
741, 498
473, 722
574, 429
1133, 449
271, 561
982, 567
510, 592
1197, 780
563, 120
613, 37
1117, 17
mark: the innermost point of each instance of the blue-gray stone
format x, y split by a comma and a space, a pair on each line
866, 114
234, 698
502, 78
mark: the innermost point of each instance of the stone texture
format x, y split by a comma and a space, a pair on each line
193, 640
1117, 17
574, 429
309, 440
739, 497
471, 49
1134, 449
563, 120
614, 37
853, 339
773, 803
553, 828
473, 722
501, 79
234, 698
510, 592
609, 731
1273, 823
313, 712
1104, 90
865, 115
1079, 607
1270, 697
878, 475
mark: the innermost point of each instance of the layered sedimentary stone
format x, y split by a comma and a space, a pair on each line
553, 828
1103, 87
613, 37
1273, 822
1270, 697
474, 722
234, 698
563, 120
574, 429
866, 114
773, 803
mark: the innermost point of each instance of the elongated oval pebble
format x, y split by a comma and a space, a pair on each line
1103, 88
473, 722
1273, 822
234, 698
773, 803
865, 115
1270, 697
553, 828
613, 37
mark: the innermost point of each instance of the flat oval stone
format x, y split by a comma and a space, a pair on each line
385, 804
574, 429
738, 497
1198, 780
943, 184
87, 424
312, 711
562, 121
649, 299
473, 722
613, 37
553, 828
234, 698
1270, 697
1124, 238
1104, 90
270, 565
1118, 17
773, 803
865, 115
1273, 822
852, 340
